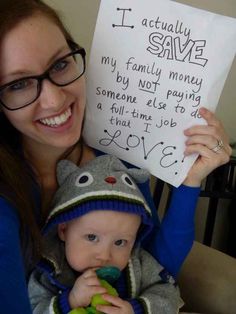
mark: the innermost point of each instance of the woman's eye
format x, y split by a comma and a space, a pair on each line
20, 85
121, 242
92, 237
60, 66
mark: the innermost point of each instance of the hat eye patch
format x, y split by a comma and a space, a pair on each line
84, 179
127, 180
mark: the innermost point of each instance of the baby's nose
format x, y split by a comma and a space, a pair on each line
104, 255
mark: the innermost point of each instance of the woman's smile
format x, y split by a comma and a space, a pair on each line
58, 120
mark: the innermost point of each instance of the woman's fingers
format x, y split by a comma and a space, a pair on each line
211, 143
209, 135
210, 117
215, 158
206, 140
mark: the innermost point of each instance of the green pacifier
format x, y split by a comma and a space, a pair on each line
108, 273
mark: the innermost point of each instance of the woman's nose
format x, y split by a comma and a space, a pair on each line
51, 96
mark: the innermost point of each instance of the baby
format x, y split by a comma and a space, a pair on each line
100, 218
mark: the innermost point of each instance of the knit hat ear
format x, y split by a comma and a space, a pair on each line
139, 175
64, 169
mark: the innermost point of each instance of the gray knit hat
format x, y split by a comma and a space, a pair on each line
104, 183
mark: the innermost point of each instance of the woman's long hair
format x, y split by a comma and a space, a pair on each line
16, 179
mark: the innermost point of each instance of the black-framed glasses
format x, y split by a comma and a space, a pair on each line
24, 91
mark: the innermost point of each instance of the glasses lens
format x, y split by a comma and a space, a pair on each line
67, 70
23, 92
19, 93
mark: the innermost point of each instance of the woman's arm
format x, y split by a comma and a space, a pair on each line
13, 288
172, 241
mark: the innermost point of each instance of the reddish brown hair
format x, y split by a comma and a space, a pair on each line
16, 179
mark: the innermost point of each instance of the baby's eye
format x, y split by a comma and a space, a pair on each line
121, 242
92, 237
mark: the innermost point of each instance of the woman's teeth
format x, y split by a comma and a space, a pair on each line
58, 120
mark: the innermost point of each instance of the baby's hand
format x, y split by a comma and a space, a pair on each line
84, 288
118, 306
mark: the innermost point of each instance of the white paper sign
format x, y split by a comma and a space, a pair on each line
153, 64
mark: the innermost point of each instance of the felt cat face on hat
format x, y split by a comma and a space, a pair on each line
104, 183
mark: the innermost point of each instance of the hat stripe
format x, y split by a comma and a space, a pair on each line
76, 211
114, 195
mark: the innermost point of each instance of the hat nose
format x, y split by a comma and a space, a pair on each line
110, 180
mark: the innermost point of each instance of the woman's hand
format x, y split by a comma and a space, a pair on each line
84, 288
118, 306
211, 143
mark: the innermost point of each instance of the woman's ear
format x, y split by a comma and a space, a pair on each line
61, 229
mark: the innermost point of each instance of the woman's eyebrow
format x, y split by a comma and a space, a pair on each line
57, 54
21, 73
14, 75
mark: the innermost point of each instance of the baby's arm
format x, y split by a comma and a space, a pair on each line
42, 294
45, 298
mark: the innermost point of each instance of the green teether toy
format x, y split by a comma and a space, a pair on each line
78, 310
98, 299
106, 275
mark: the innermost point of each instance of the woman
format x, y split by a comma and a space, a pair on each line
42, 97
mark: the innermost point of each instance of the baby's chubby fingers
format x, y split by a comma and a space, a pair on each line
114, 300
91, 280
117, 305
85, 286
91, 276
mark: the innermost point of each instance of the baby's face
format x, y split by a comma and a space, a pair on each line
99, 238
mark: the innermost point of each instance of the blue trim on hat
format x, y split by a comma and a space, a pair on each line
76, 211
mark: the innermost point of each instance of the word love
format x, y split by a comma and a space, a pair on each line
133, 141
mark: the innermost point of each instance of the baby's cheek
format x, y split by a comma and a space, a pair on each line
76, 263
123, 259
74, 259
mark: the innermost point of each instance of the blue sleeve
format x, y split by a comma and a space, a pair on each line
171, 242
13, 288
